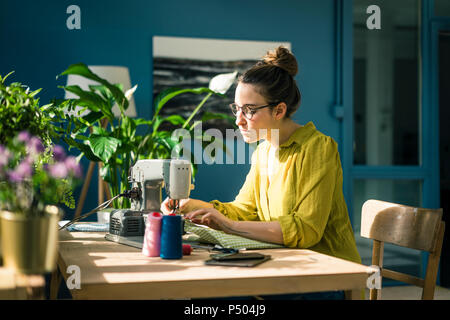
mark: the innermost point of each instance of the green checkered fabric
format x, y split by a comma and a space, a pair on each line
226, 240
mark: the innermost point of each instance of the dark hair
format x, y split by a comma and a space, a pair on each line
273, 77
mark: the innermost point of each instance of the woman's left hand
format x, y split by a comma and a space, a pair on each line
210, 217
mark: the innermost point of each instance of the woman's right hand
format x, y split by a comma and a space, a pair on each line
186, 205
167, 205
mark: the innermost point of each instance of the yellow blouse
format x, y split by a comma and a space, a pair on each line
305, 194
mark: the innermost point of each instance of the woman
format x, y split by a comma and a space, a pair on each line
293, 192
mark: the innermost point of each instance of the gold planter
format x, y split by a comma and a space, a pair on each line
1, 250
30, 244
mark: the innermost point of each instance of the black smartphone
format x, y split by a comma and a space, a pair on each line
237, 263
236, 256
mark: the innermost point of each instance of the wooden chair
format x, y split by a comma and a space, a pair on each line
411, 227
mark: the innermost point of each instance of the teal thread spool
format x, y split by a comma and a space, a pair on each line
171, 237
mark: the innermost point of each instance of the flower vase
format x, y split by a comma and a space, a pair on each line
30, 243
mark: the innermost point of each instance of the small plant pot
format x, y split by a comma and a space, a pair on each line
30, 244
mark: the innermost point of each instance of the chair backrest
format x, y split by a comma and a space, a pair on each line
406, 226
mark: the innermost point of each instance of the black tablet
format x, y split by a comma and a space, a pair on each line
237, 262
237, 256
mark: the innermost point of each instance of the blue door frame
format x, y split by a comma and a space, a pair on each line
428, 170
430, 105
436, 24
430, 100
345, 52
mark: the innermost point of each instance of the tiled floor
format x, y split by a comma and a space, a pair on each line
410, 293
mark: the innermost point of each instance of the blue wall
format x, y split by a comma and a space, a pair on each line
36, 43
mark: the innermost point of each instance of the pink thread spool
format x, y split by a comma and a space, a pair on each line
152, 238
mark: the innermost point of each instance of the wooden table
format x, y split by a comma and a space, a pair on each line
15, 286
114, 271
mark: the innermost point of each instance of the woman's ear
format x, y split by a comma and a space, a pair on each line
279, 111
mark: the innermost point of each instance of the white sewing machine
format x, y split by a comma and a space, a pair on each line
148, 177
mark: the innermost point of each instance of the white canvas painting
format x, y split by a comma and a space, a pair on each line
193, 62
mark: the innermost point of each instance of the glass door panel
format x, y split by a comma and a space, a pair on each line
444, 148
385, 79
442, 8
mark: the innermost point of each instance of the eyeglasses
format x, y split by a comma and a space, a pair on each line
247, 111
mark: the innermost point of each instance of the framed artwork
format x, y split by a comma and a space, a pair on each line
193, 62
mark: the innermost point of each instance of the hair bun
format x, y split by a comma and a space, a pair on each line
282, 58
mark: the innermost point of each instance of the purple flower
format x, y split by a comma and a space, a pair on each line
24, 136
59, 153
73, 166
13, 176
35, 145
5, 154
25, 168
29, 159
58, 170
23, 171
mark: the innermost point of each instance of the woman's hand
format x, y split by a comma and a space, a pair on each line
212, 218
257, 230
186, 205
168, 204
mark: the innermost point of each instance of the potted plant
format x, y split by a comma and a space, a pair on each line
116, 143
28, 191
34, 181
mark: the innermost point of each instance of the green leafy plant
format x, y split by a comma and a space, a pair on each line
116, 143
19, 109
28, 180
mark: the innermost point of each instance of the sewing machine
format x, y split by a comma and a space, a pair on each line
148, 177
